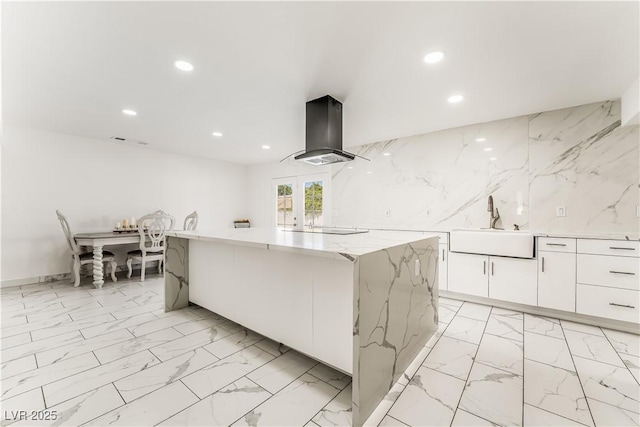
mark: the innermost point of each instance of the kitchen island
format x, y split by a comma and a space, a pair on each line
365, 304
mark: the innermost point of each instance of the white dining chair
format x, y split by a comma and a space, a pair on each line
191, 221
152, 229
79, 258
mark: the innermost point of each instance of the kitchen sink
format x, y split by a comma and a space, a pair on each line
517, 244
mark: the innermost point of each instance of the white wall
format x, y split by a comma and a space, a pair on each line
96, 184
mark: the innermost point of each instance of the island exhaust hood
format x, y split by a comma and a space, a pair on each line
323, 139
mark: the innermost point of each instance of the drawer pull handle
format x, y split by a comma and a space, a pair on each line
484, 270
492, 268
543, 264
622, 249
556, 244
621, 272
443, 255
621, 305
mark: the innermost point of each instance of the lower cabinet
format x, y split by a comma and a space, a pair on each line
508, 279
468, 274
513, 279
557, 280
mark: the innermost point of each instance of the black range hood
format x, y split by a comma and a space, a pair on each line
323, 139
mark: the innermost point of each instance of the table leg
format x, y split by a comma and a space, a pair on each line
98, 267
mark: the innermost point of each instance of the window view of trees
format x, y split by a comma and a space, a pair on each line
285, 205
313, 203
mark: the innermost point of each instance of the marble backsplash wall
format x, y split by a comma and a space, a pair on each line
578, 158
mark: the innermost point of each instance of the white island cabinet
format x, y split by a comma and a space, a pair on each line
363, 303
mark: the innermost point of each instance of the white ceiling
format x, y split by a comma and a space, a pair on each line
73, 66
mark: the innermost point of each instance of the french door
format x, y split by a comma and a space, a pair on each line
302, 201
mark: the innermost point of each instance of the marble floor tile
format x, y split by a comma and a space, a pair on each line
624, 342
136, 345
581, 327
475, 311
543, 326
294, 405
162, 323
633, 364
501, 353
114, 325
82, 409
222, 407
278, 373
592, 347
389, 421
135, 311
337, 412
608, 415
14, 321
83, 314
40, 346
545, 349
198, 325
453, 357
331, 376
31, 400
494, 395
537, 417
446, 313
555, 390
506, 325
450, 302
465, 329
37, 315
91, 379
225, 371
163, 374
609, 384
233, 343
15, 340
176, 347
465, 419
81, 347
429, 399
18, 366
30, 327
26, 381
149, 409
70, 327
276, 349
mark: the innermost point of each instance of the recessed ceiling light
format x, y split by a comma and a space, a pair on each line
217, 134
493, 158
349, 167
369, 172
454, 99
481, 139
488, 149
183, 65
433, 57
129, 112
265, 147
386, 154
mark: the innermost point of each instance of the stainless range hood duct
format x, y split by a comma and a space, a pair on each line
323, 139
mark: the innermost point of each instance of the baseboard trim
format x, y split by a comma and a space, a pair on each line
618, 325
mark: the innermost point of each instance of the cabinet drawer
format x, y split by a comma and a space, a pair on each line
610, 271
609, 247
619, 304
555, 244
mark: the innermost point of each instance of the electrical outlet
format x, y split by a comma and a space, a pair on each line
561, 211
387, 213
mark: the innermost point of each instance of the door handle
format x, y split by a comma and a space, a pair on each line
484, 270
492, 268
543, 264
621, 305
621, 272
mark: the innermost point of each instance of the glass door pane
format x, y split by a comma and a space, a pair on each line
284, 203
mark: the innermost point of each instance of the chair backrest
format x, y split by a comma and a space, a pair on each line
66, 228
191, 221
152, 229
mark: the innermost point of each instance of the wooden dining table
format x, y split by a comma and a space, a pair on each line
97, 241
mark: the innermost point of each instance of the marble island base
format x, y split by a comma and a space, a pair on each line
367, 315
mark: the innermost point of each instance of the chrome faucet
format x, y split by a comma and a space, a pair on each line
492, 219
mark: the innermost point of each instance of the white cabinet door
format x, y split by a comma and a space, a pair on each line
443, 261
468, 274
557, 280
513, 279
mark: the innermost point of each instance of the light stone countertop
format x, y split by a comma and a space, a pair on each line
311, 243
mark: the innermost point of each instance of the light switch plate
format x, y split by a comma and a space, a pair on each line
561, 211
